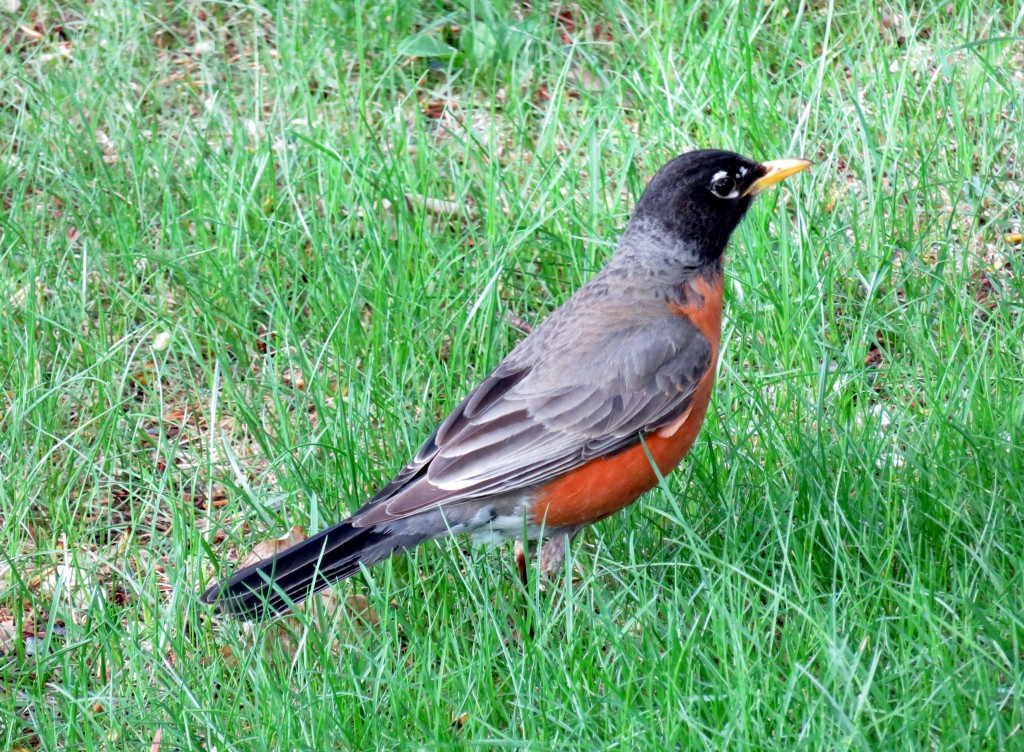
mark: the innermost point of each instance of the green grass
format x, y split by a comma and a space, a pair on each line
220, 317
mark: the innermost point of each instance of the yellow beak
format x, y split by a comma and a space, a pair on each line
778, 170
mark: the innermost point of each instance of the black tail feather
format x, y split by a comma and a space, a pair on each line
273, 585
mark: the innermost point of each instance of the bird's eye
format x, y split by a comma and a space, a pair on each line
723, 186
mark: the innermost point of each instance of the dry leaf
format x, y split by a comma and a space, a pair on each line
20, 296
75, 585
292, 377
360, 610
438, 207
31, 33
269, 548
7, 636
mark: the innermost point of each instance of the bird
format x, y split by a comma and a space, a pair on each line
588, 412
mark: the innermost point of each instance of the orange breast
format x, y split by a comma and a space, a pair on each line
604, 486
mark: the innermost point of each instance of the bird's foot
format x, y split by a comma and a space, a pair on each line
552, 554
522, 552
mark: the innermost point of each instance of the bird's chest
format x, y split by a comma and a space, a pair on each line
605, 485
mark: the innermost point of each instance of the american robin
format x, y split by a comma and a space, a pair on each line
578, 420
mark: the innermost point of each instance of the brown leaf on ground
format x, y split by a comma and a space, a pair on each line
205, 496
584, 79
436, 108
266, 340
292, 377
269, 548
445, 350
985, 293
565, 19
285, 635
874, 357
437, 207
7, 636
146, 376
361, 611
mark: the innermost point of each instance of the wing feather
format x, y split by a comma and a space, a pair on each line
535, 418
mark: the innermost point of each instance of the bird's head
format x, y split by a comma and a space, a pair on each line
700, 197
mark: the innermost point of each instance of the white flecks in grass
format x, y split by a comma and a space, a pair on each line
73, 585
107, 147
20, 297
879, 413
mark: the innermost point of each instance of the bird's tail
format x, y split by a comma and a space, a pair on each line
291, 576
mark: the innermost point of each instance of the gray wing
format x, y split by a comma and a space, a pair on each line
552, 405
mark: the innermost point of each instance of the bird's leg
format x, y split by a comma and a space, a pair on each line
522, 551
552, 555
519, 323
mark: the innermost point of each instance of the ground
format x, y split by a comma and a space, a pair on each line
249, 254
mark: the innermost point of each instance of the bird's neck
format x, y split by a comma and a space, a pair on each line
659, 260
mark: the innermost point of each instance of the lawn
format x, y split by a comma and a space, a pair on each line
250, 254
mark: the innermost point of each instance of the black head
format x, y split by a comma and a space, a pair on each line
701, 196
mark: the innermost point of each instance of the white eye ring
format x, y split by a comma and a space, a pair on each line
724, 185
